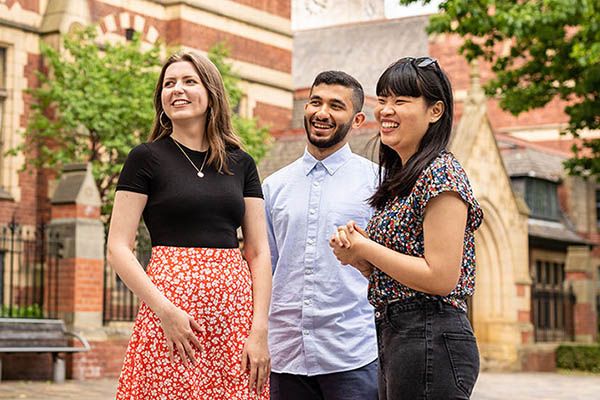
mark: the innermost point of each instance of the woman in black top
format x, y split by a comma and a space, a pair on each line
201, 331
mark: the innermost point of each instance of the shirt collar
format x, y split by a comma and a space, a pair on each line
331, 163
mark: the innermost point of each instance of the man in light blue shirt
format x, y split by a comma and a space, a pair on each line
321, 326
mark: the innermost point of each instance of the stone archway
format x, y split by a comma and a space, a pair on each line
494, 308
111, 28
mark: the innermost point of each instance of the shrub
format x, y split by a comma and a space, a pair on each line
31, 311
579, 357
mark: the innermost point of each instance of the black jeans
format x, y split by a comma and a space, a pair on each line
427, 351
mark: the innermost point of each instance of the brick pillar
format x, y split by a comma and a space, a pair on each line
580, 275
75, 217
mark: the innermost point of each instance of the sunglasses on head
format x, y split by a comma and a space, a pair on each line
421, 62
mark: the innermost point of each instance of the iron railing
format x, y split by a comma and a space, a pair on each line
29, 266
120, 304
598, 313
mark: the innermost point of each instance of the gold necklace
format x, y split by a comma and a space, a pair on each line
200, 173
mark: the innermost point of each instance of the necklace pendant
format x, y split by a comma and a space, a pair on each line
200, 174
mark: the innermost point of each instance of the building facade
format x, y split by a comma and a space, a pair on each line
538, 262
537, 280
257, 33
259, 38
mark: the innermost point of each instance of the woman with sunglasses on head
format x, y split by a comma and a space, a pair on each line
201, 330
418, 249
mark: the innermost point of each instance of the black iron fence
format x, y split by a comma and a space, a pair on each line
120, 304
552, 303
598, 314
29, 284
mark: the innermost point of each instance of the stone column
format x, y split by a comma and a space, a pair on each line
580, 275
75, 217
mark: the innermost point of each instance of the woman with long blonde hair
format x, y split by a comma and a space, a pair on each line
201, 330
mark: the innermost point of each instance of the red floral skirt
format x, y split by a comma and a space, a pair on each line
214, 286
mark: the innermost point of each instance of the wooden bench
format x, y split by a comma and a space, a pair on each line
21, 335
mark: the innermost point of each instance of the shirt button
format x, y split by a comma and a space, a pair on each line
307, 302
312, 211
308, 271
310, 241
315, 184
306, 332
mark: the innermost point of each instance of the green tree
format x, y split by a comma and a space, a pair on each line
93, 105
97, 103
554, 52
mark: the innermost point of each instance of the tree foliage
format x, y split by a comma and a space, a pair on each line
553, 52
93, 105
96, 103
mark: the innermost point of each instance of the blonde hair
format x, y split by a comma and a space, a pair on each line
219, 130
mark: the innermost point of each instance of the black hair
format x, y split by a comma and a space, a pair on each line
343, 79
414, 78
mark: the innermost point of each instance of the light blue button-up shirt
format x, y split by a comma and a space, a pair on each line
320, 320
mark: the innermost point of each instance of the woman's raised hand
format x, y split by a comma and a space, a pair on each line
347, 235
364, 267
344, 241
180, 329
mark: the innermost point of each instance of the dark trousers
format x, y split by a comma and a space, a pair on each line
357, 384
427, 351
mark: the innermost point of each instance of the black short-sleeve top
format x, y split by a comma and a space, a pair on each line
183, 209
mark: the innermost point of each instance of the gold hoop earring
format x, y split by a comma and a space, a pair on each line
160, 120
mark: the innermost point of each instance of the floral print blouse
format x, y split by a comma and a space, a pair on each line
399, 226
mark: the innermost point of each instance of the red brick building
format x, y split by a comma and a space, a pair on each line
541, 226
257, 33
259, 37
537, 283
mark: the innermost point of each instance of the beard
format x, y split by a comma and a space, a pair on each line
323, 143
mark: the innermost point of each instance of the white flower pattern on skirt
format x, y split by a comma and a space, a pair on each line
214, 286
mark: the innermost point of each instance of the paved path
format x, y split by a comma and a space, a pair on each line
529, 386
70, 390
537, 386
